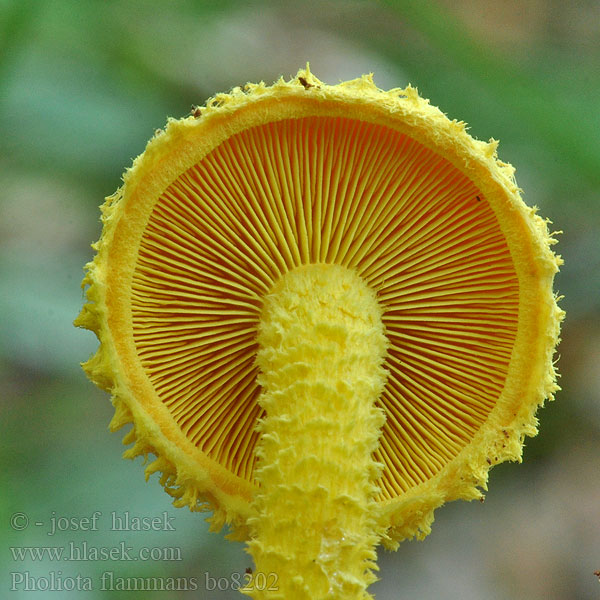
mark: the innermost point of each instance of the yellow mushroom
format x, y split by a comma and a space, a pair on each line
326, 311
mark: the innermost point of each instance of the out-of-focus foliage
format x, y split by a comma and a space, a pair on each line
83, 85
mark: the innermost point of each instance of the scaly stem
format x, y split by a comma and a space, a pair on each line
322, 346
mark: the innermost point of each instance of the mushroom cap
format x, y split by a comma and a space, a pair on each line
267, 178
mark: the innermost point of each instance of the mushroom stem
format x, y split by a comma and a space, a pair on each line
322, 345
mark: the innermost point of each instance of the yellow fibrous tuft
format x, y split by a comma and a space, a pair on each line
228, 205
322, 346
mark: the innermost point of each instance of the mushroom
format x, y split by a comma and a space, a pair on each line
326, 311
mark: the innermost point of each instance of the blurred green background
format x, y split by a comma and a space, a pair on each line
84, 84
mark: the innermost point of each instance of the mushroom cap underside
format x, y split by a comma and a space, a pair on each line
262, 180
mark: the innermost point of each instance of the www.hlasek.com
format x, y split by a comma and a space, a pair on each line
56, 581
82, 552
